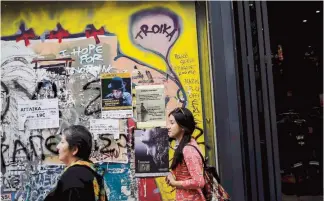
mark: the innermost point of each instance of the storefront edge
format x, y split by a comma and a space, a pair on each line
228, 129
244, 106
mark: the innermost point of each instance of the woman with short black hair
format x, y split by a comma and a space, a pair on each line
81, 180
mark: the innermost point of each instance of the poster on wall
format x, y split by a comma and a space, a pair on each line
150, 106
104, 126
6, 197
151, 152
116, 93
107, 149
123, 126
118, 181
38, 114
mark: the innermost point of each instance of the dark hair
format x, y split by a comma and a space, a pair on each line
185, 120
80, 137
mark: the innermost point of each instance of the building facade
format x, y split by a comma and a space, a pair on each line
196, 50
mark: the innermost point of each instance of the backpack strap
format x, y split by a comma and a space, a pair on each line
204, 162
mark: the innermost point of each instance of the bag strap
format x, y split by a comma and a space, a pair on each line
204, 162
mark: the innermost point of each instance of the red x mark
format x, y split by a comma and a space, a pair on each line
60, 33
94, 32
25, 35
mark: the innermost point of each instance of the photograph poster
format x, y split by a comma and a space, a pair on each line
150, 106
151, 152
116, 93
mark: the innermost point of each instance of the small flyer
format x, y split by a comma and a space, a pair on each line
123, 128
116, 93
105, 126
38, 114
6, 197
150, 106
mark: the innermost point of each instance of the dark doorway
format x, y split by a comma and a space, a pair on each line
296, 37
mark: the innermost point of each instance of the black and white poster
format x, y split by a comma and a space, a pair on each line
150, 106
151, 152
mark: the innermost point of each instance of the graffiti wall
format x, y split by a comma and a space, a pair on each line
54, 50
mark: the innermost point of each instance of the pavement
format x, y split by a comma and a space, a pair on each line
302, 198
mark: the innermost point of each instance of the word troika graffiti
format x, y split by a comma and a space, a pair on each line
156, 43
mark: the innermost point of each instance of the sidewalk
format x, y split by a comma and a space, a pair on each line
302, 198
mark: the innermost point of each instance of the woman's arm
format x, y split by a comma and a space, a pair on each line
195, 168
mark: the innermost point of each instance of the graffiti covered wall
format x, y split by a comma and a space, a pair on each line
54, 50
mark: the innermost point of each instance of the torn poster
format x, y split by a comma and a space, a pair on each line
38, 114
6, 197
116, 93
107, 149
151, 152
150, 106
104, 126
123, 126
118, 181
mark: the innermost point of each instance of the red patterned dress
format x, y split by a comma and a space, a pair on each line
190, 173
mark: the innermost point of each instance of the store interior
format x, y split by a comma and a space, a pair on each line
296, 37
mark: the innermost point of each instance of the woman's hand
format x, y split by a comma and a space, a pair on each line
171, 181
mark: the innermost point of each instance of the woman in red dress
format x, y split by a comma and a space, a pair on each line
187, 166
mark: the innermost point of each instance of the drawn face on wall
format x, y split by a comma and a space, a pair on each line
46, 92
4, 99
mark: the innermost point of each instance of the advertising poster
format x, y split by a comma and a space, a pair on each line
150, 106
151, 152
38, 114
116, 93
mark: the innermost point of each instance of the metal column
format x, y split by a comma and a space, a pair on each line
226, 96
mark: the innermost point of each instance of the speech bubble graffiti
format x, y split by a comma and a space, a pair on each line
155, 30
